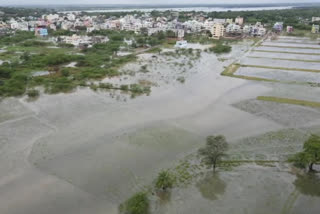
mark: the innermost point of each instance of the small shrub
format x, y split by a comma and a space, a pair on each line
137, 204
105, 85
124, 87
181, 79
220, 48
165, 180
33, 93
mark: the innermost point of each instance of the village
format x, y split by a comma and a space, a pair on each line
76, 22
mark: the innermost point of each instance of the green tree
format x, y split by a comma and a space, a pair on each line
215, 149
165, 180
310, 154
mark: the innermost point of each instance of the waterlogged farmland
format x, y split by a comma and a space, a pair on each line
86, 152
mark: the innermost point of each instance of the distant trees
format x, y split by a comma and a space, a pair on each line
310, 154
215, 149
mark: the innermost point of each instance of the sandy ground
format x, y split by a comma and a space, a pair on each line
86, 152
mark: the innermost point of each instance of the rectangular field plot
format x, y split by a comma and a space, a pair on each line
280, 75
290, 50
294, 41
288, 44
286, 64
285, 56
294, 38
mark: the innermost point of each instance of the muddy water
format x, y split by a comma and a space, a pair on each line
246, 189
86, 152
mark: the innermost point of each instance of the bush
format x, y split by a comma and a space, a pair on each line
165, 180
105, 85
137, 204
181, 79
36, 43
124, 87
33, 93
66, 45
220, 48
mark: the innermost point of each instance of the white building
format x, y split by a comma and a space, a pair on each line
239, 20
233, 28
218, 31
315, 19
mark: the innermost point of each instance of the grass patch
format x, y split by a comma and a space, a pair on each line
231, 69
290, 101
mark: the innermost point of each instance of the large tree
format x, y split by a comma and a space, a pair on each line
215, 149
310, 154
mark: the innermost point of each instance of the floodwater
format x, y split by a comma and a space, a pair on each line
282, 75
85, 152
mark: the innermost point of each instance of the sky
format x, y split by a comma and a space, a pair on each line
44, 2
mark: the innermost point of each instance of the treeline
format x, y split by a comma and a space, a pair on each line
12, 12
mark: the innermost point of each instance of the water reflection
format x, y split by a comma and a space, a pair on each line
164, 196
211, 186
308, 184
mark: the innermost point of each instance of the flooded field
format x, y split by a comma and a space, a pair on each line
86, 152
278, 74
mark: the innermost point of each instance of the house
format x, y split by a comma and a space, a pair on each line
41, 31
315, 19
181, 44
233, 29
180, 33
218, 31
239, 20
278, 27
315, 29
289, 29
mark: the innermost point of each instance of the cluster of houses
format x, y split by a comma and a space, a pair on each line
143, 23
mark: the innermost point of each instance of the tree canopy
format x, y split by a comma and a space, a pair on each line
215, 149
310, 154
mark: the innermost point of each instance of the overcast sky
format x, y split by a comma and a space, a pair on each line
43, 2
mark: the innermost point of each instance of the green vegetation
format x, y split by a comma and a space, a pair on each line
33, 93
220, 48
290, 101
137, 204
310, 154
165, 180
17, 37
93, 63
215, 149
231, 69
181, 79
